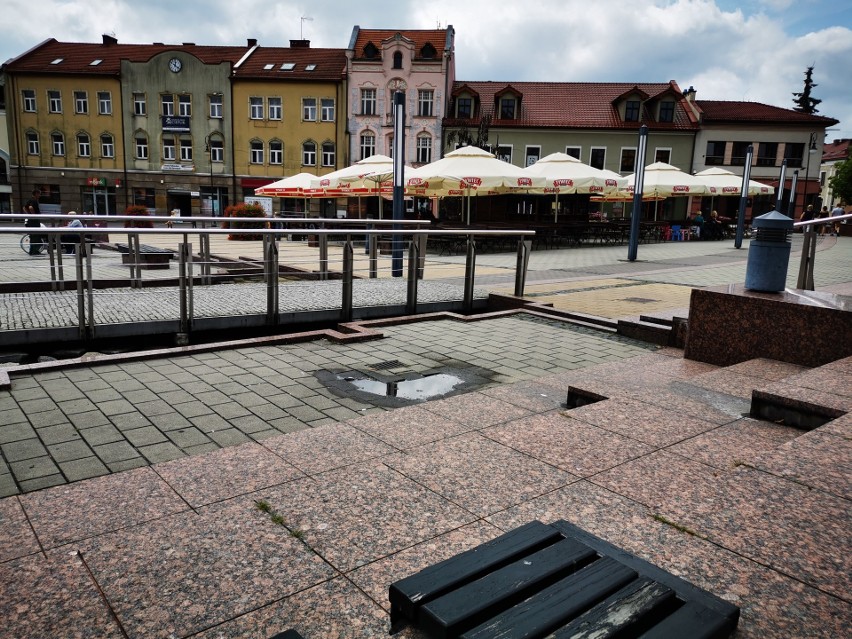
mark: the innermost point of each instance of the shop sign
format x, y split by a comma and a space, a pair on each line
175, 123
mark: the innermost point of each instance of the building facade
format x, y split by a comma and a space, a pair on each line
833, 154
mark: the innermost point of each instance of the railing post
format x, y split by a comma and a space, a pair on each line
55, 262
805, 280
85, 249
323, 256
374, 256
469, 271
348, 275
81, 299
204, 250
135, 260
185, 278
270, 267
524, 248
421, 249
413, 268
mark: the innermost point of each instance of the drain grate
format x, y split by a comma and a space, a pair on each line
385, 366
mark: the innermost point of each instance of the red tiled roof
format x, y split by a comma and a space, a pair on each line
330, 64
718, 111
837, 150
77, 57
577, 105
437, 37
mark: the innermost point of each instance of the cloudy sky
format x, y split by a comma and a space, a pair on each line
755, 50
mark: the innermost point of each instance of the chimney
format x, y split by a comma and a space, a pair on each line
109, 40
689, 94
252, 42
300, 44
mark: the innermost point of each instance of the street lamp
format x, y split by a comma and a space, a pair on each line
812, 148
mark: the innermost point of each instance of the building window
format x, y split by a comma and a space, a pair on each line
104, 103
573, 151
274, 108
140, 105
794, 152
425, 100
766, 153
628, 161
29, 98
597, 157
185, 150
667, 110
276, 152
168, 102
507, 108
309, 154
368, 102
715, 154
84, 145
141, 147
328, 154
533, 154
81, 102
217, 151
738, 153
185, 106
169, 147
107, 146
256, 108
58, 143
309, 109
631, 111
54, 102
216, 106
397, 60
327, 110
464, 108
256, 152
424, 149
503, 153
368, 145
663, 155
32, 143
144, 197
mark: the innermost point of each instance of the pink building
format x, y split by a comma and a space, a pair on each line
380, 62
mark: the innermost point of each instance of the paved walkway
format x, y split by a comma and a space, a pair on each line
238, 491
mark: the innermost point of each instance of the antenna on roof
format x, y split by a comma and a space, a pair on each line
302, 26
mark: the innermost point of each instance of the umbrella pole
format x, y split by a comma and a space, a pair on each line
556, 208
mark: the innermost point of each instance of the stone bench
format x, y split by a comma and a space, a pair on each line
150, 257
555, 580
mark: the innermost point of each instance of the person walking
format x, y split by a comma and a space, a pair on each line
837, 210
32, 211
823, 215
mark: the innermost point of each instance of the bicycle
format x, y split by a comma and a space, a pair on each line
25, 243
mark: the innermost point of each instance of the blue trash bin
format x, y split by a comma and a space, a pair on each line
769, 253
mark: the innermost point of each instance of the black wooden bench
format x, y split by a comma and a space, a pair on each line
150, 257
555, 580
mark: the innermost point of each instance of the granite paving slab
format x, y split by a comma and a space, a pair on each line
567, 443
191, 571
226, 473
327, 447
16, 535
354, 516
53, 597
409, 427
73, 512
503, 476
476, 409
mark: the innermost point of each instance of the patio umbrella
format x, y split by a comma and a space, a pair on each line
566, 174
298, 185
371, 176
469, 171
722, 182
665, 180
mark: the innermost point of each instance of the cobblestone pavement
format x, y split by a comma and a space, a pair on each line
74, 423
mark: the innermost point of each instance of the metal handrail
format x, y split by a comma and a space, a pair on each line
83, 257
805, 279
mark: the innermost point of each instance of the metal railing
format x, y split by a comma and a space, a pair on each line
368, 233
805, 280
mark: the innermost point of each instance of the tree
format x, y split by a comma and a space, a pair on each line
463, 136
803, 101
841, 182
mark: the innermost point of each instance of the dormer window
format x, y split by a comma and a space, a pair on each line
397, 60
631, 111
428, 52
508, 108
464, 108
370, 51
667, 109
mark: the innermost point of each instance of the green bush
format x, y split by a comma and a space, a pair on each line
141, 211
243, 210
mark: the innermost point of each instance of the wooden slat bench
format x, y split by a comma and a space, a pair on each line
555, 580
150, 257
